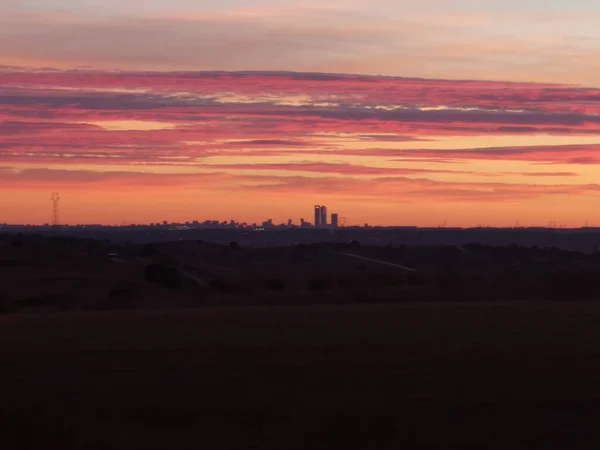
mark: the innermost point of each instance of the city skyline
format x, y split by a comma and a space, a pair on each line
320, 216
321, 219
395, 112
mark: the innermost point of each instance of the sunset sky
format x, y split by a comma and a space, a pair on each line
391, 112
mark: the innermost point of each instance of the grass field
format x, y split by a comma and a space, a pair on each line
518, 375
42, 274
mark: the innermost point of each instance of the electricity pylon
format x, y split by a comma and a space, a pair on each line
55, 198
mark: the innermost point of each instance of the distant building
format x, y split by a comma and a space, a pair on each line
323, 215
317, 215
335, 220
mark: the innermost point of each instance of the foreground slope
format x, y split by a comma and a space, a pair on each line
521, 375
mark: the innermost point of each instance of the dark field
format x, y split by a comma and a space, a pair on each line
518, 375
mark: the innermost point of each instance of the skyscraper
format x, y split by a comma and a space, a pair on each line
334, 220
323, 215
317, 215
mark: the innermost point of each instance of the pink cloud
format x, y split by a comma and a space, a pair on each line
556, 154
545, 154
403, 189
356, 169
55, 117
28, 178
398, 188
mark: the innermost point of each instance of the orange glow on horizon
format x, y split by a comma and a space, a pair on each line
143, 148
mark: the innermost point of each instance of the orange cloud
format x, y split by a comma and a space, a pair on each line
231, 138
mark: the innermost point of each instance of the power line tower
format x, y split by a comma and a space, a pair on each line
55, 198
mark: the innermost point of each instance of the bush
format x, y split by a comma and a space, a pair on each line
164, 274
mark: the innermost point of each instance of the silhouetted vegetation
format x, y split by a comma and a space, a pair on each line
236, 275
18, 241
149, 250
164, 274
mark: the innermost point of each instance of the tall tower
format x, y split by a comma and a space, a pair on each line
323, 215
55, 198
335, 220
317, 215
